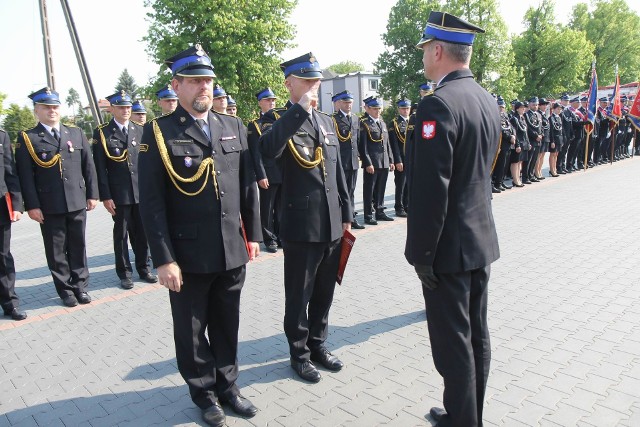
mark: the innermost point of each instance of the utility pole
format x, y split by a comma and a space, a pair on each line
48, 61
82, 63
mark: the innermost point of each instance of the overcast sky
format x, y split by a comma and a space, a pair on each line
111, 33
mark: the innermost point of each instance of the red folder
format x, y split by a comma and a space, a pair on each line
7, 197
348, 240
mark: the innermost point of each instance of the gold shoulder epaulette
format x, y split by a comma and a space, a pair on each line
137, 123
103, 125
322, 112
164, 115
223, 114
429, 93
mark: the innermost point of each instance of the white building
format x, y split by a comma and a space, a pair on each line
361, 84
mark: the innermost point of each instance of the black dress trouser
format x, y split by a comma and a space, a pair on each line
377, 181
208, 362
8, 298
460, 345
351, 177
65, 249
127, 221
269, 202
310, 272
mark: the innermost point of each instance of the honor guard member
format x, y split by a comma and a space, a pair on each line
347, 126
556, 137
425, 89
268, 172
534, 132
567, 128
167, 100
198, 199
138, 113
451, 236
59, 184
578, 135
544, 143
232, 107
115, 154
316, 210
397, 134
377, 160
10, 211
584, 104
604, 130
507, 139
219, 99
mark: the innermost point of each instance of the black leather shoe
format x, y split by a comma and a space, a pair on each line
437, 414
307, 371
126, 283
272, 247
401, 213
16, 315
326, 359
214, 415
495, 190
383, 217
83, 298
504, 186
519, 185
562, 172
70, 301
149, 277
356, 225
527, 182
533, 179
242, 406
370, 221
540, 178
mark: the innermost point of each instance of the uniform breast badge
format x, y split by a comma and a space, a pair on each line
44, 156
306, 150
188, 161
70, 145
117, 150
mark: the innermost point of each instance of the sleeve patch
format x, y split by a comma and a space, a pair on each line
428, 129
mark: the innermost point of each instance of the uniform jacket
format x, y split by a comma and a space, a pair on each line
519, 123
314, 204
456, 137
374, 144
202, 233
545, 127
117, 180
348, 130
534, 126
507, 131
65, 186
9, 182
397, 134
265, 167
556, 131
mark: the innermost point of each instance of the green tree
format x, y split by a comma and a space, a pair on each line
346, 67
127, 83
400, 65
73, 100
242, 68
490, 61
613, 28
3, 96
17, 119
554, 59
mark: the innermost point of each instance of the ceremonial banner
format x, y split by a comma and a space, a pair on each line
634, 113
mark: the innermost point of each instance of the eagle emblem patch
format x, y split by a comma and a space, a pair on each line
428, 129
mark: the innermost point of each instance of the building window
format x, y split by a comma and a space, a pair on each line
373, 84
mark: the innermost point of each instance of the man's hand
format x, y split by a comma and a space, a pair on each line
36, 215
427, 276
254, 250
91, 204
513, 139
110, 206
370, 169
309, 100
346, 226
170, 276
16, 216
391, 167
399, 167
263, 183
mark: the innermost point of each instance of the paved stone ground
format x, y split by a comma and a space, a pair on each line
564, 316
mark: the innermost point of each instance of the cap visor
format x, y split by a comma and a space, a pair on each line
196, 72
423, 41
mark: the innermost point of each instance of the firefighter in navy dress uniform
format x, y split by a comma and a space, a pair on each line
268, 172
116, 151
397, 137
59, 185
316, 209
198, 201
10, 211
377, 161
451, 236
347, 127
